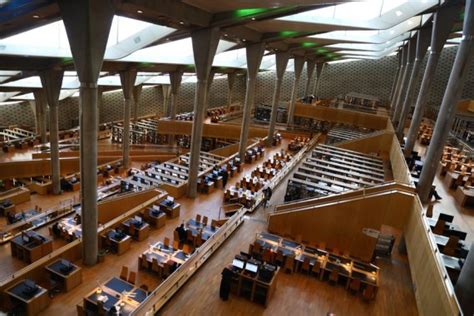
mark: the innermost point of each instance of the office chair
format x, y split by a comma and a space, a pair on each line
124, 273
132, 277
354, 286
333, 277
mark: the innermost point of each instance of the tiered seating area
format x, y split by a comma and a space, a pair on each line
331, 170
297, 143
224, 113
342, 133
14, 137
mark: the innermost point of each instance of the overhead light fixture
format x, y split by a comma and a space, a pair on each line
36, 16
181, 22
253, 19
392, 32
243, 40
225, 34
139, 11
398, 12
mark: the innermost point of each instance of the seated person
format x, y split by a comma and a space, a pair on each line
77, 219
181, 233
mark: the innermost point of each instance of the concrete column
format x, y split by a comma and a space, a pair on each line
87, 26
406, 74
310, 64
254, 58
447, 110
137, 93
204, 48
51, 81
127, 78
41, 116
281, 59
230, 84
396, 95
397, 74
422, 43
317, 83
100, 104
210, 80
443, 22
299, 62
166, 99
175, 79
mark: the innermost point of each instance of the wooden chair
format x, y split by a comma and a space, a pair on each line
214, 223
166, 270
451, 246
175, 236
166, 242
368, 293
279, 258
205, 220
268, 256
354, 286
144, 287
155, 267
176, 244
198, 240
334, 277
316, 268
132, 277
429, 210
439, 227
124, 273
289, 264
306, 267
189, 237
144, 262
198, 218
133, 231
187, 249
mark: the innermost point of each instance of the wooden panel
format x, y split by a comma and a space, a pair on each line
16, 195
465, 106
223, 131
42, 167
341, 116
433, 295
108, 153
116, 206
340, 224
378, 143
398, 163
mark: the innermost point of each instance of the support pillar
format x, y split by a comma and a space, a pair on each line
254, 58
317, 83
166, 88
406, 74
281, 61
41, 114
175, 79
210, 80
310, 64
52, 80
100, 104
397, 74
422, 43
443, 22
137, 93
447, 110
127, 79
230, 84
299, 62
396, 95
87, 26
204, 49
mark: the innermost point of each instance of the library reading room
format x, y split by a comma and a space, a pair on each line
251, 157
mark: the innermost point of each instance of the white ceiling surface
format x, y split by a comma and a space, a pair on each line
383, 26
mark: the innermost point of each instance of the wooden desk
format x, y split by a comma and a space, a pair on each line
111, 294
70, 277
33, 249
155, 216
172, 210
252, 287
120, 245
142, 230
34, 303
464, 196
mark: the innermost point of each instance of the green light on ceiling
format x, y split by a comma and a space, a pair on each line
321, 50
67, 60
241, 13
309, 44
330, 55
288, 33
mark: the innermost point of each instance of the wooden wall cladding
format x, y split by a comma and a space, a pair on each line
340, 224
42, 167
323, 113
432, 292
398, 163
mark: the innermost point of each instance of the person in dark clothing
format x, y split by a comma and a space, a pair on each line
224, 177
267, 196
181, 233
434, 193
227, 275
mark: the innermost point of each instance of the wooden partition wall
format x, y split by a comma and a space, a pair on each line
42, 167
135, 155
340, 224
334, 115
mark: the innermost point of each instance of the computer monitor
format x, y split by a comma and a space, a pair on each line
238, 263
250, 267
137, 219
170, 199
30, 284
25, 238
